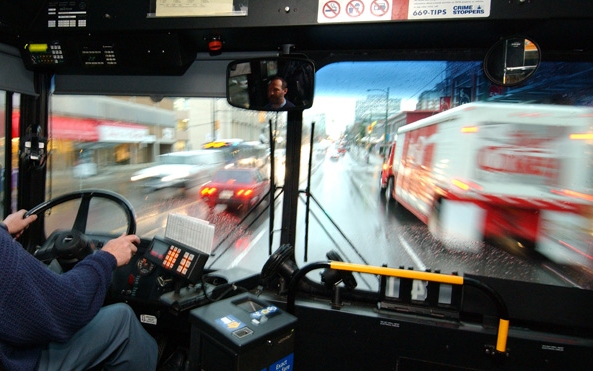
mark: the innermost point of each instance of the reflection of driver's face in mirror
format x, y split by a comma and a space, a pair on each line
277, 89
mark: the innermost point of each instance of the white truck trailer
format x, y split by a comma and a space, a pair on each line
499, 170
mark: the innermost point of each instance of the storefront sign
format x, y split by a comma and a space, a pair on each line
122, 133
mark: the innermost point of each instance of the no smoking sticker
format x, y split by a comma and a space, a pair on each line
331, 9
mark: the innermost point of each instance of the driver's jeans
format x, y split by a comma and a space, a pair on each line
114, 338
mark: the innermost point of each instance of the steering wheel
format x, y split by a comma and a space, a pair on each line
71, 246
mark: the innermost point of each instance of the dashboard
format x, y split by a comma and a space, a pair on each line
147, 280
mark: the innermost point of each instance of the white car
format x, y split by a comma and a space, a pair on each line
184, 170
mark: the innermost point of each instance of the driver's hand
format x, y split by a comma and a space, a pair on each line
16, 223
123, 248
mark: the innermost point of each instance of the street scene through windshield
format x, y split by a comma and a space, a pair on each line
423, 165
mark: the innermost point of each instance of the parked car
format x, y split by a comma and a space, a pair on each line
238, 188
180, 170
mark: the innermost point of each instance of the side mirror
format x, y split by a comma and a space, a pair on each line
511, 61
271, 84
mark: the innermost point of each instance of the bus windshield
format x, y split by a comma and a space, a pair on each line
419, 170
421, 164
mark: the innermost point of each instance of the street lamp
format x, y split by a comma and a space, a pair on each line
386, 91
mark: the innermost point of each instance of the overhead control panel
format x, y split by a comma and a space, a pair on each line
161, 54
45, 54
51, 55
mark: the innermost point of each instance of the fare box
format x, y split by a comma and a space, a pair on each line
242, 333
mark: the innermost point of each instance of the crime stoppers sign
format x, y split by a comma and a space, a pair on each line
348, 11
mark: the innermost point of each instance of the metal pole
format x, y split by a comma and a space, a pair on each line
386, 92
386, 119
294, 132
213, 119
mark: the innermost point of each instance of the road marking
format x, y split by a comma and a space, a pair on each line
420, 265
562, 276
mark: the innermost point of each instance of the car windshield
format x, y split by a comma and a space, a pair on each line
487, 180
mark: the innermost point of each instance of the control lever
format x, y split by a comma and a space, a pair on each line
162, 281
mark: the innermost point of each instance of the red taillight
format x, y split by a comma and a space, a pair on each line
208, 191
244, 192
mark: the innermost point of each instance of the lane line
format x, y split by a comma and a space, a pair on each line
420, 265
562, 276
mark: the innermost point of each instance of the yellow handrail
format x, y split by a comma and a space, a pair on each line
395, 272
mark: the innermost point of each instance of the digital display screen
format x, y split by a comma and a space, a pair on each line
159, 249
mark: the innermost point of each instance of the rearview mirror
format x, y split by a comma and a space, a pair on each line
511, 61
271, 84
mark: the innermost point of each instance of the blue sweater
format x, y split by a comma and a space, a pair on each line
38, 306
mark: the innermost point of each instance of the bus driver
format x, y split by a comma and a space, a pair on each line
55, 321
277, 89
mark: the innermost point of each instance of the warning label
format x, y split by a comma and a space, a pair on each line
230, 323
348, 11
